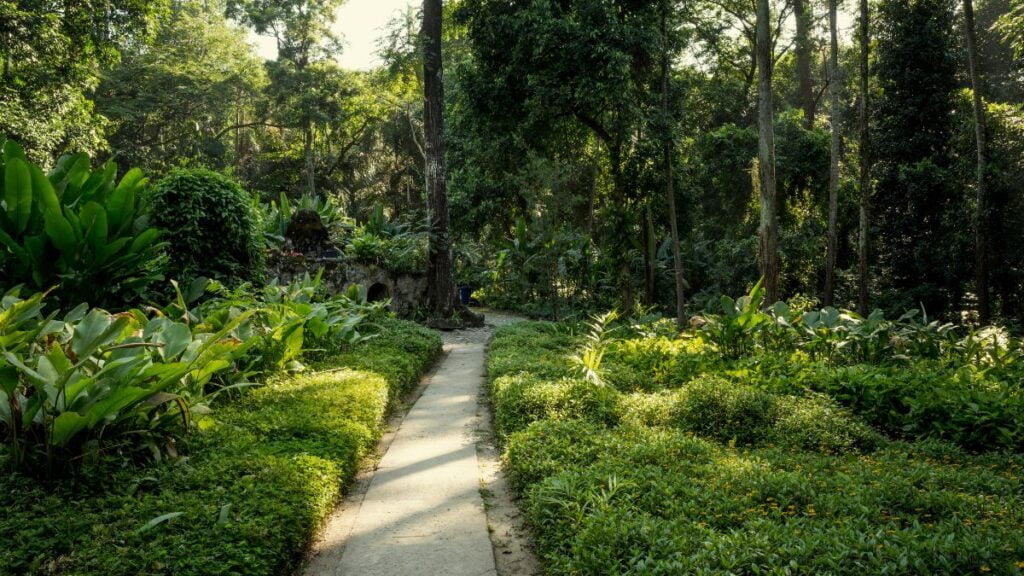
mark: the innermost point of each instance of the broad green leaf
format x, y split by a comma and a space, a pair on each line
95, 330
65, 427
43, 190
94, 225
18, 193
13, 150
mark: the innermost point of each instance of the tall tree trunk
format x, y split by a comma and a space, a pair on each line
310, 162
863, 296
803, 12
768, 248
441, 281
650, 255
981, 219
670, 193
833, 180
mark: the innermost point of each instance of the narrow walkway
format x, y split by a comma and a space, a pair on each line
422, 513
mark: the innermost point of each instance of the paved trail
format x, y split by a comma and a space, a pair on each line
422, 513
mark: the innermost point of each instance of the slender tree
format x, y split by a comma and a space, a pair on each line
981, 190
863, 279
833, 179
670, 193
803, 13
768, 248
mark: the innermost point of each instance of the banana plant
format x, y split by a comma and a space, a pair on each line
77, 229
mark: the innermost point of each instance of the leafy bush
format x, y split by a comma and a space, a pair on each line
212, 226
717, 409
77, 228
95, 382
522, 399
277, 457
396, 246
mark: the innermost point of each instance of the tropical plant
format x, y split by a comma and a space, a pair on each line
277, 214
734, 330
78, 229
94, 382
591, 354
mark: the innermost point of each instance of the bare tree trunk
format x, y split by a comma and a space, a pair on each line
803, 13
833, 180
863, 296
670, 193
768, 249
981, 219
441, 294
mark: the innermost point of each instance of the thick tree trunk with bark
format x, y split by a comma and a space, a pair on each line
981, 219
768, 249
803, 13
445, 310
670, 193
863, 296
833, 181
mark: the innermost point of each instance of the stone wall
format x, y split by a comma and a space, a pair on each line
407, 292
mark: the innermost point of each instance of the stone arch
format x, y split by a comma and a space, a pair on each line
378, 292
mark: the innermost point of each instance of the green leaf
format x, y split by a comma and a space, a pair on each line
65, 427
94, 224
18, 193
158, 521
95, 330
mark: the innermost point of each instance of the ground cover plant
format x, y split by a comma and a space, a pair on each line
278, 456
764, 442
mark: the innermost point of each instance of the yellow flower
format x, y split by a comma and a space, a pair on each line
985, 568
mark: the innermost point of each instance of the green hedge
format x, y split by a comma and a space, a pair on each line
259, 479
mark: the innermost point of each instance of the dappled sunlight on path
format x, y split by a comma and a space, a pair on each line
422, 513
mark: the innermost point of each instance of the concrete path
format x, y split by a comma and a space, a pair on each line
422, 513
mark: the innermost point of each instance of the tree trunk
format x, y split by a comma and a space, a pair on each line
833, 180
768, 249
981, 219
670, 193
803, 13
310, 163
863, 296
441, 294
650, 255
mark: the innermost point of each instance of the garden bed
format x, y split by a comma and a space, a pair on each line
257, 481
683, 461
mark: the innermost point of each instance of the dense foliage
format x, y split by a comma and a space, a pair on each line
740, 445
277, 457
76, 229
212, 227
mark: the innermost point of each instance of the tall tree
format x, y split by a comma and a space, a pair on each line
670, 193
863, 293
302, 31
981, 191
768, 248
441, 296
836, 121
803, 12
51, 56
918, 210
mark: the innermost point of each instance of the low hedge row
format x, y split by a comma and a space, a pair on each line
679, 466
260, 477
